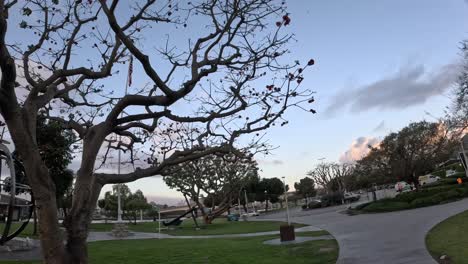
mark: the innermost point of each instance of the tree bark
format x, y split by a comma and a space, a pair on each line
78, 221
21, 123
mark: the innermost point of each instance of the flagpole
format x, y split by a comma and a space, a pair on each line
119, 203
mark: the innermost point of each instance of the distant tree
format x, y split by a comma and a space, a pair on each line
305, 188
135, 204
331, 176
219, 177
153, 210
131, 203
270, 190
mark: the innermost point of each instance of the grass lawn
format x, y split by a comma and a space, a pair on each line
27, 232
237, 250
450, 238
218, 227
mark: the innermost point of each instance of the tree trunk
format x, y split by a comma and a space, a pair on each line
42, 186
78, 221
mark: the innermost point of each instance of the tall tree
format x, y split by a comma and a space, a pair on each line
67, 59
458, 116
405, 155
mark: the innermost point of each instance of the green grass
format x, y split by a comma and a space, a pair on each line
27, 232
450, 238
187, 228
219, 226
238, 250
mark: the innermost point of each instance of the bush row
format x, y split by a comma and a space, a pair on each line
426, 197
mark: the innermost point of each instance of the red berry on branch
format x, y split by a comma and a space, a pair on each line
311, 62
286, 20
278, 24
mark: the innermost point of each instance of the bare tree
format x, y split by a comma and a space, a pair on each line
227, 80
331, 176
212, 176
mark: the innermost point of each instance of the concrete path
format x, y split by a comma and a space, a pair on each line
298, 240
396, 238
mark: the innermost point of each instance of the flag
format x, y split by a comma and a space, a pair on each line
130, 71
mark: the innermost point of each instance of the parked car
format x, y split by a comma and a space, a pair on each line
428, 179
351, 197
251, 214
317, 203
403, 186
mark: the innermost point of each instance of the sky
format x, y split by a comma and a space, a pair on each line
379, 66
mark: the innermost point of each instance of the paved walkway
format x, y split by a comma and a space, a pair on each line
301, 239
396, 238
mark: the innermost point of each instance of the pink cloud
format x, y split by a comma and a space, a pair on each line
359, 149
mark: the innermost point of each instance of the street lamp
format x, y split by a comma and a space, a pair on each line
287, 231
239, 201
286, 197
266, 200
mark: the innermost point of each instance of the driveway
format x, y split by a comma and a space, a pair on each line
396, 238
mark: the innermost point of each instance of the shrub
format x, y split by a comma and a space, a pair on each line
421, 202
425, 197
440, 173
387, 206
361, 206
332, 198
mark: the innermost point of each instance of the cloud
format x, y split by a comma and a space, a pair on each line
380, 127
410, 86
358, 149
275, 162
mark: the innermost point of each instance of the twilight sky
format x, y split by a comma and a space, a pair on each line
379, 66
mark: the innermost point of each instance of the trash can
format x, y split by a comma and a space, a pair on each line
287, 233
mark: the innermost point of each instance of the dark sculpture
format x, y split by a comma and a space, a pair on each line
13, 187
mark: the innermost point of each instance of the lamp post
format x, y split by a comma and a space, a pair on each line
266, 200
287, 231
286, 198
239, 202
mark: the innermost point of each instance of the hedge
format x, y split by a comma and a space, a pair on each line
425, 197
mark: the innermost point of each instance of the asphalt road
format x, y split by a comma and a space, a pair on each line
396, 237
